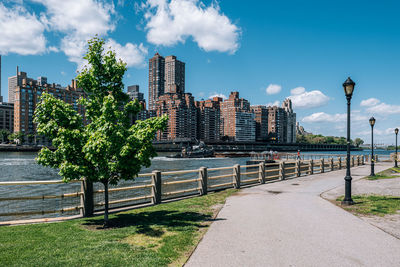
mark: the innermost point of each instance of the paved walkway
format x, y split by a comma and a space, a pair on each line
289, 224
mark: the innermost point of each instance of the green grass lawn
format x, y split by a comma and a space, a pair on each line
160, 235
373, 205
386, 174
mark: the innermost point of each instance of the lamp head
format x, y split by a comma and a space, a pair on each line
372, 121
396, 131
348, 87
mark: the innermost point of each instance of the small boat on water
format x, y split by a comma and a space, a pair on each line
199, 151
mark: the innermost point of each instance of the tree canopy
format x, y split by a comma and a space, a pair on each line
320, 139
108, 148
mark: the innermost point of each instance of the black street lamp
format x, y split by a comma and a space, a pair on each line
348, 86
372, 123
396, 131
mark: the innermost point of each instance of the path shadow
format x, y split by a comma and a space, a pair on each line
149, 223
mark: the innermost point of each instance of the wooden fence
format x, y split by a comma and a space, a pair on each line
154, 188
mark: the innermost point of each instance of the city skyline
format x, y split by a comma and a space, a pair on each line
302, 51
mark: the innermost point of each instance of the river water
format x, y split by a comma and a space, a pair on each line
21, 166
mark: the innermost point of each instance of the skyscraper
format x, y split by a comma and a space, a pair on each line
174, 75
15, 81
282, 123
209, 119
290, 121
261, 119
156, 79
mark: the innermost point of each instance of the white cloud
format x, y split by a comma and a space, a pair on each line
215, 94
298, 90
79, 20
384, 109
172, 22
21, 32
321, 117
369, 102
273, 89
303, 99
276, 103
131, 54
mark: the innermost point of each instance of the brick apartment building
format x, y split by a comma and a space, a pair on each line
261, 120
182, 114
282, 123
237, 119
26, 96
209, 118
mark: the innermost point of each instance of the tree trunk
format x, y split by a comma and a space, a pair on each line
106, 222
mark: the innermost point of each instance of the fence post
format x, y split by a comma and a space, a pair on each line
156, 189
376, 158
362, 160
332, 166
322, 165
352, 161
311, 166
261, 173
236, 175
87, 198
282, 170
340, 163
298, 168
203, 177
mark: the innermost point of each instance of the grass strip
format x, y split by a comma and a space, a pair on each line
162, 235
372, 205
386, 174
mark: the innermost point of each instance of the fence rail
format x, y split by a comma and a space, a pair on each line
201, 184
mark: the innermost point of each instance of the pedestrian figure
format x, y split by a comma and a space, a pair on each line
298, 154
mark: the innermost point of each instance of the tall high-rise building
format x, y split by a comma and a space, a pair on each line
261, 119
282, 123
209, 119
156, 79
15, 81
290, 121
238, 120
174, 75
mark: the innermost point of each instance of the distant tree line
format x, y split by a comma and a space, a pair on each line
16, 138
320, 139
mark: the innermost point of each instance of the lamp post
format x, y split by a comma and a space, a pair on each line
396, 131
348, 87
372, 123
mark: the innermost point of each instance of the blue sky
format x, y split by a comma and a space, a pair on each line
266, 50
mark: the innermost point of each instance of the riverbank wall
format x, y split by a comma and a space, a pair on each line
218, 147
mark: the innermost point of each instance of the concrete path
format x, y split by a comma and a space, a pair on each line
288, 224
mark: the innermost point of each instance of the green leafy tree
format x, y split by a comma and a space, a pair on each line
358, 142
109, 148
17, 138
4, 135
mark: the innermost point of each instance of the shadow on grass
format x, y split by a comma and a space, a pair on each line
148, 222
